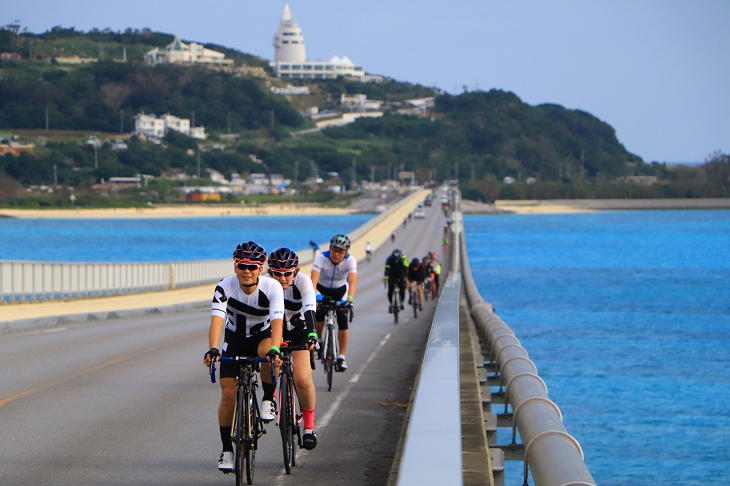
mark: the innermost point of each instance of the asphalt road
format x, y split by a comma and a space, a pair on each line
130, 402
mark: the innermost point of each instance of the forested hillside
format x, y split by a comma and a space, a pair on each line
481, 138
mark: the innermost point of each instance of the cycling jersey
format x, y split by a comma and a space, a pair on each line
299, 299
417, 274
331, 275
247, 315
396, 269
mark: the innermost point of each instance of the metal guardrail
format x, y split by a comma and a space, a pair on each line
432, 451
552, 454
28, 281
22, 281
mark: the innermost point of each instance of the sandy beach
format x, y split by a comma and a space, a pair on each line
181, 211
556, 206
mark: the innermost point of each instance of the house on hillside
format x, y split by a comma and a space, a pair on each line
151, 126
177, 52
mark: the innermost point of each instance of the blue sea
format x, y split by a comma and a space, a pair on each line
162, 240
627, 316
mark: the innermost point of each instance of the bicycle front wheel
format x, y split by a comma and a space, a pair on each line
286, 421
331, 356
252, 429
239, 434
414, 300
396, 305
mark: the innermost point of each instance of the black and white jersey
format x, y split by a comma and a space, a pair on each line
333, 276
298, 299
246, 315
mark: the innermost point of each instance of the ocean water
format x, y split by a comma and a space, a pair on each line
162, 240
627, 316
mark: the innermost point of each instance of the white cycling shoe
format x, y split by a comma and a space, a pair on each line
225, 462
268, 410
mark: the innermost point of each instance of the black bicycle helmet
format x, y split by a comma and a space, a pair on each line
283, 259
341, 241
397, 254
250, 252
415, 262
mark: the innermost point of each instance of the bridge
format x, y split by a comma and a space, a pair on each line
112, 390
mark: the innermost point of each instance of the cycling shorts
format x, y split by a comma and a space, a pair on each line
241, 347
342, 314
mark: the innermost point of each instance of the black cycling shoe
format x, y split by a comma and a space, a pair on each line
390, 309
309, 440
341, 364
402, 306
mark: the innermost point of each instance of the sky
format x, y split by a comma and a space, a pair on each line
657, 71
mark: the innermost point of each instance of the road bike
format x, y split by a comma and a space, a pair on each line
290, 414
330, 347
395, 302
247, 426
414, 299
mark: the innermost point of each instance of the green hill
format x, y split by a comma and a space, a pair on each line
478, 137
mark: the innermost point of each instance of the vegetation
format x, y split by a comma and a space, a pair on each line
479, 138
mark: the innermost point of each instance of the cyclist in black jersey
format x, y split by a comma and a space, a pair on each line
416, 275
396, 271
251, 310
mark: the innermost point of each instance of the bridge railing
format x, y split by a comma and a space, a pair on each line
554, 457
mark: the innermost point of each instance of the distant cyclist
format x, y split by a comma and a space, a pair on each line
368, 251
436, 265
396, 271
252, 311
334, 273
299, 330
416, 275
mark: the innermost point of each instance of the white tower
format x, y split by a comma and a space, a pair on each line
289, 41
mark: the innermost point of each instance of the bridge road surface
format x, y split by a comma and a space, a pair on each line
130, 402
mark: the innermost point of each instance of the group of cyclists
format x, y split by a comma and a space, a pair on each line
402, 274
269, 302
257, 310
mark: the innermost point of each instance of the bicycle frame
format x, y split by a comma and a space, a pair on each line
330, 344
290, 415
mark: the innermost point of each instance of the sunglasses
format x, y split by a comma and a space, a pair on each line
277, 273
252, 267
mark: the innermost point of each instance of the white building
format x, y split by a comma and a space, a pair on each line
151, 126
359, 102
179, 52
290, 56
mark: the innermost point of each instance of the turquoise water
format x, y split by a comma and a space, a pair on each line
161, 240
627, 317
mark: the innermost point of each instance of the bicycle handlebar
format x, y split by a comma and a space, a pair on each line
245, 359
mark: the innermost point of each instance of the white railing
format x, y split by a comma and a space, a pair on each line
22, 281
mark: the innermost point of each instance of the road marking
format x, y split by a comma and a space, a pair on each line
329, 415
78, 374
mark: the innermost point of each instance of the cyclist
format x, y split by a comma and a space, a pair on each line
396, 270
252, 311
436, 265
334, 273
368, 251
299, 330
416, 274
446, 243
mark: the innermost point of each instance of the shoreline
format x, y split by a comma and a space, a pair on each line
566, 206
182, 211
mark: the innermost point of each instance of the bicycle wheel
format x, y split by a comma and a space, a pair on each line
251, 436
286, 421
396, 304
331, 356
239, 435
414, 300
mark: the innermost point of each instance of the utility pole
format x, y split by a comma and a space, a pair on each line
55, 176
353, 175
372, 174
229, 122
121, 122
46, 117
192, 122
389, 172
96, 157
296, 171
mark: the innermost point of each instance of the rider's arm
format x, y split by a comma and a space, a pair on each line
315, 278
351, 285
277, 329
214, 333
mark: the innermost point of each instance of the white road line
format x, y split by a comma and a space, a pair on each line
335, 406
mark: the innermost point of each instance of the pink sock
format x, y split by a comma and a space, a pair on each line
308, 415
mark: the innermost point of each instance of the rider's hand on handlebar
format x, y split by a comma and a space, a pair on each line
312, 341
211, 354
274, 356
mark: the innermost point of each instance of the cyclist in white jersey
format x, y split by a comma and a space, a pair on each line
252, 311
299, 330
334, 273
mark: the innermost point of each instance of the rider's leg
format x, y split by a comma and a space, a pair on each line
343, 332
420, 292
266, 382
303, 380
402, 285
